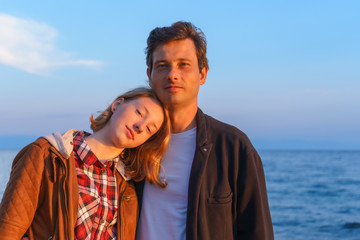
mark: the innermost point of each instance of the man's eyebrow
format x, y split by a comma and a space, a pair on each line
160, 61
178, 59
184, 59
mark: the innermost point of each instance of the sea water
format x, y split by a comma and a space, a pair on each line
312, 194
6, 158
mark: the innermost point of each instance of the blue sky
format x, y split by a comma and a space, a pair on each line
285, 72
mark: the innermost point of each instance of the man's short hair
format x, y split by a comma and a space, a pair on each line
177, 31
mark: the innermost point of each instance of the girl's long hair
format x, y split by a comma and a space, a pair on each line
143, 161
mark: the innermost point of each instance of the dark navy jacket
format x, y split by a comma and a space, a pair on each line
227, 191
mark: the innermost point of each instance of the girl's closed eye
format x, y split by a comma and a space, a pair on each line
149, 130
139, 112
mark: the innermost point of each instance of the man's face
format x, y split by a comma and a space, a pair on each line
175, 74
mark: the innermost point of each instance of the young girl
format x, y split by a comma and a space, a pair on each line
77, 185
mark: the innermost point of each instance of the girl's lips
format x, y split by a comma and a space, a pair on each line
130, 133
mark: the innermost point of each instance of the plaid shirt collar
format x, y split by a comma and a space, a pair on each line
84, 152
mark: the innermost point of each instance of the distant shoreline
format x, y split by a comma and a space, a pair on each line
17, 142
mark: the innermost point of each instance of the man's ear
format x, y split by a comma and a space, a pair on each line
116, 103
148, 72
203, 75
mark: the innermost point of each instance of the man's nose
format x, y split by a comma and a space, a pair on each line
173, 73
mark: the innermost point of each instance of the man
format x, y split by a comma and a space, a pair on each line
216, 187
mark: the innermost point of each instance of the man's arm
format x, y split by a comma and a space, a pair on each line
253, 214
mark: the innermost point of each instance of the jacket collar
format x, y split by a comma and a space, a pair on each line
63, 143
201, 125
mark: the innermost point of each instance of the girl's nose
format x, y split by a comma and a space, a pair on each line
138, 127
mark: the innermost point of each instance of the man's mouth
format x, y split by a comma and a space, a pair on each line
172, 87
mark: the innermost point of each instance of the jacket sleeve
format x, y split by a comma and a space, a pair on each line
20, 198
253, 214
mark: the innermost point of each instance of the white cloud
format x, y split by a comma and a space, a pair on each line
30, 46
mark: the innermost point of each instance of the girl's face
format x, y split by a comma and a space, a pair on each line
134, 121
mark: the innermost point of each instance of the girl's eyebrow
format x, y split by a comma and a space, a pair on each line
143, 106
156, 128
147, 111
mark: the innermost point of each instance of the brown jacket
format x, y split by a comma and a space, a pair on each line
41, 197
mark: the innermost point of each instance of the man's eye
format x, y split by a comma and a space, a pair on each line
163, 65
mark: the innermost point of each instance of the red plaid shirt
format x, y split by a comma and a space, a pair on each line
98, 205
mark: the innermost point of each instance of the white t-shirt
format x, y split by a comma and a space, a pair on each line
164, 210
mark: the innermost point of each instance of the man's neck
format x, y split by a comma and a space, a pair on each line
182, 119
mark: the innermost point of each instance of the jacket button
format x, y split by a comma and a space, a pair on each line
205, 149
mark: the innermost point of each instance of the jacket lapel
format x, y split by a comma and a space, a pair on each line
202, 153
